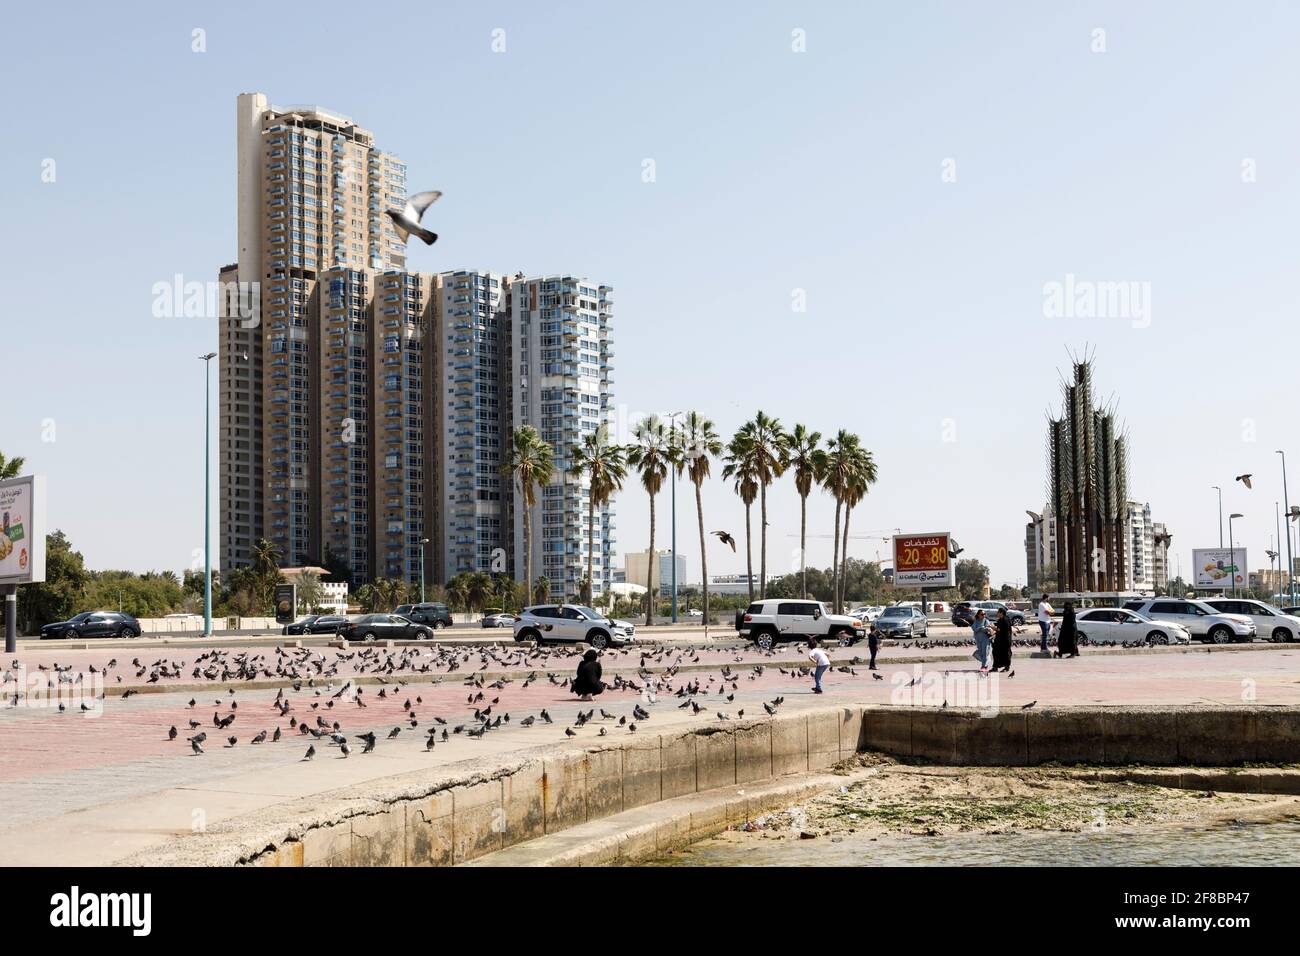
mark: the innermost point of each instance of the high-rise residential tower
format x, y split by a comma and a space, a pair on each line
312, 190
562, 351
366, 410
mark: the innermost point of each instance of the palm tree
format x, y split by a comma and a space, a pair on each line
458, 591
541, 589
801, 453
768, 439
11, 468
699, 442
389, 593
862, 474
837, 478
266, 565
605, 464
531, 464
742, 469
480, 590
652, 454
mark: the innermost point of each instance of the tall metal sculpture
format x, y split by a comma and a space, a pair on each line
1087, 490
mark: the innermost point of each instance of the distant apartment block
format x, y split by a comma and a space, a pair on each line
365, 410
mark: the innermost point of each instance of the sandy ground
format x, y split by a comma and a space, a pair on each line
889, 798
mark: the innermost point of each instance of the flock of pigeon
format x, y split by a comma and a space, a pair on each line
307, 668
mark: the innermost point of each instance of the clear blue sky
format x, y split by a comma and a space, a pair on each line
775, 171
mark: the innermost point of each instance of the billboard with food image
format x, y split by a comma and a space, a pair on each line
22, 530
1217, 569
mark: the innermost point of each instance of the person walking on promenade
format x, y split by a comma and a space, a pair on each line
1044, 620
821, 663
1002, 642
587, 682
873, 642
980, 628
1067, 640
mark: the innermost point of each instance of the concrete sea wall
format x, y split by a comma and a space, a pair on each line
466, 810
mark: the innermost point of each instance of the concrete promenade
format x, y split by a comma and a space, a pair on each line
83, 789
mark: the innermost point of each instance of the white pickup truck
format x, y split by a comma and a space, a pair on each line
773, 620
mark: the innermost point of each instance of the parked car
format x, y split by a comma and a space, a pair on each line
383, 627
902, 621
991, 608
571, 623
1270, 621
963, 614
1128, 627
695, 612
93, 624
499, 620
773, 620
1202, 621
432, 613
867, 613
316, 624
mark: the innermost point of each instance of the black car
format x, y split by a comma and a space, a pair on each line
433, 614
383, 627
93, 624
316, 624
963, 615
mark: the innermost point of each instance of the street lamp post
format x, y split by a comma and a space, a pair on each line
1290, 563
1220, 491
207, 493
1278, 545
1232, 552
424, 543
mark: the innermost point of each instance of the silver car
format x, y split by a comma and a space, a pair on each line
571, 623
902, 622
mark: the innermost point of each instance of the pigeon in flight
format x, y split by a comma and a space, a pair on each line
1244, 479
408, 220
726, 539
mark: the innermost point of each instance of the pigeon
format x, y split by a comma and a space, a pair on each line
345, 748
368, 740
407, 222
232, 740
276, 735
428, 744
194, 745
171, 734
1028, 705
1244, 479
311, 752
259, 738
569, 732
394, 732
877, 677
726, 539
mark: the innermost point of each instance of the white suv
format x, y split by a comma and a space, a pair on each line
571, 623
781, 619
1202, 621
1269, 621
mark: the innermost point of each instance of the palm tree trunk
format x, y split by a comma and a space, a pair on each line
704, 561
835, 553
803, 546
749, 553
844, 560
762, 548
528, 552
651, 597
591, 544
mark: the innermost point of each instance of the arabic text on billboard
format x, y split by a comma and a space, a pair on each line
922, 560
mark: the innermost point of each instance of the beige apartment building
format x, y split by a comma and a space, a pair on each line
366, 411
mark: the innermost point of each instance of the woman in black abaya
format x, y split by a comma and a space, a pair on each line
1067, 642
1002, 642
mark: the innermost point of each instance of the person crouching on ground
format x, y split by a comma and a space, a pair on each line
980, 628
587, 683
820, 664
1002, 642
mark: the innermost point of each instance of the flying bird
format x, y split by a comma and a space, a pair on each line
726, 539
1244, 479
408, 220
